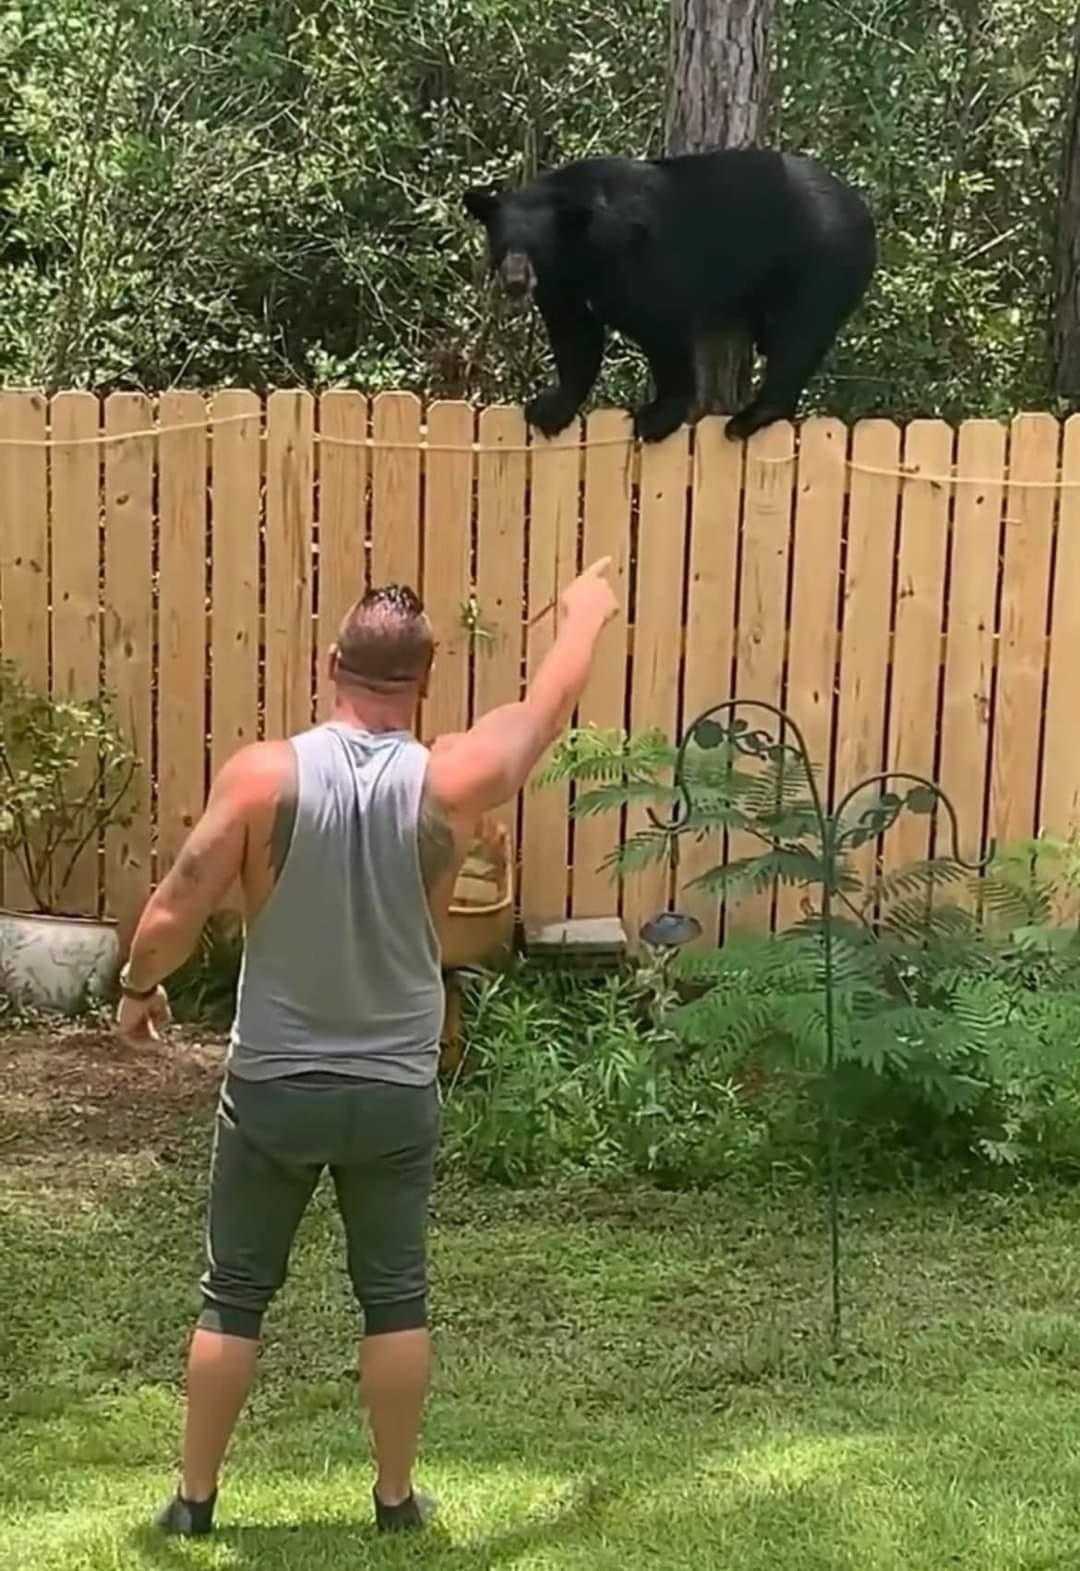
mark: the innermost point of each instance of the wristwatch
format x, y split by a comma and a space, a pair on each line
140, 995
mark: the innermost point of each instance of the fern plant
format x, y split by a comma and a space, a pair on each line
957, 996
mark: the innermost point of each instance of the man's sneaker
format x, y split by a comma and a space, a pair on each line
408, 1517
187, 1518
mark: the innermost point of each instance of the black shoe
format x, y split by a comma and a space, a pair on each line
408, 1517
187, 1518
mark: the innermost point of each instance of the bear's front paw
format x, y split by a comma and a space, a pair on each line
551, 411
753, 418
660, 419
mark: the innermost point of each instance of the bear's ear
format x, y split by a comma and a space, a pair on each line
481, 203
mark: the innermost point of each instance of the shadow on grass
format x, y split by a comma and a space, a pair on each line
317, 1545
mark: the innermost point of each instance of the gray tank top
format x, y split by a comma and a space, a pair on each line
341, 966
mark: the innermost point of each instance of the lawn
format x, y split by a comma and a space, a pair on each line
627, 1378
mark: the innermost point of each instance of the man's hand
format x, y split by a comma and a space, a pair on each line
590, 594
141, 1020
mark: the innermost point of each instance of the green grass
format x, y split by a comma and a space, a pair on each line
627, 1379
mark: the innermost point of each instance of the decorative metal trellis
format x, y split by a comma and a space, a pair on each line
718, 727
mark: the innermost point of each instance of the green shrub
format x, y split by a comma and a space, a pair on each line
569, 1073
65, 775
956, 999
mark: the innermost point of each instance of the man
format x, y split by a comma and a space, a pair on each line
347, 841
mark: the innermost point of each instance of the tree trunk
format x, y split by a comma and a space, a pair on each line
1066, 331
718, 98
719, 86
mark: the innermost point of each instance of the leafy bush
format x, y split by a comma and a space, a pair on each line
567, 1074
65, 775
563, 1073
956, 1000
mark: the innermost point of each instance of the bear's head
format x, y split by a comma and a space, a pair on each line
523, 235
536, 232
553, 228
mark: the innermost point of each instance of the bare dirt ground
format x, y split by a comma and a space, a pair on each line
76, 1101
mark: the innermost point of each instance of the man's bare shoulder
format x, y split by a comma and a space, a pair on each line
257, 773
458, 770
258, 789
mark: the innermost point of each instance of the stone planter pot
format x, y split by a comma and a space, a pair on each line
56, 963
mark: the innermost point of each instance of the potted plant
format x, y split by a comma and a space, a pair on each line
65, 775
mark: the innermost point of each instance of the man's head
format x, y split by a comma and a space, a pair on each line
384, 645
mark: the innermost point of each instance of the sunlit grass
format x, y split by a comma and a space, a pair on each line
626, 1379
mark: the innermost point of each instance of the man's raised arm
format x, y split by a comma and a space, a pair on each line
490, 763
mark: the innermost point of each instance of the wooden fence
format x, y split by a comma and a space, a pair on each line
912, 596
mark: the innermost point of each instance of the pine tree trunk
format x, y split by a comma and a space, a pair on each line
718, 98
719, 86
1066, 331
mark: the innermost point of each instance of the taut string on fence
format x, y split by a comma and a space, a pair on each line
376, 444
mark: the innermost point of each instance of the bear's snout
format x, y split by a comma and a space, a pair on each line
517, 276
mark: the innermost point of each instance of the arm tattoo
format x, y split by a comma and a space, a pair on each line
281, 831
435, 840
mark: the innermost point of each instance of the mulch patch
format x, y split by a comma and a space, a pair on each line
76, 1089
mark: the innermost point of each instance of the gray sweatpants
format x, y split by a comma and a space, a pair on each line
272, 1141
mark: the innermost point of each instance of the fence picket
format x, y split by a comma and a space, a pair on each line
289, 511
1029, 524
710, 632
1059, 813
916, 654
500, 555
553, 529
966, 715
770, 473
234, 576
181, 675
343, 475
128, 640
866, 599
395, 503
608, 501
24, 569
813, 638
76, 563
657, 616
448, 504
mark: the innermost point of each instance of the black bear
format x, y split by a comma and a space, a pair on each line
673, 253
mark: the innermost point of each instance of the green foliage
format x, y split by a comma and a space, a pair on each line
949, 115
976, 1032
956, 998
270, 193
65, 775
569, 1073
725, 1080
203, 991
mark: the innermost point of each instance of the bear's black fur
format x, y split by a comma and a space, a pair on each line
674, 253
